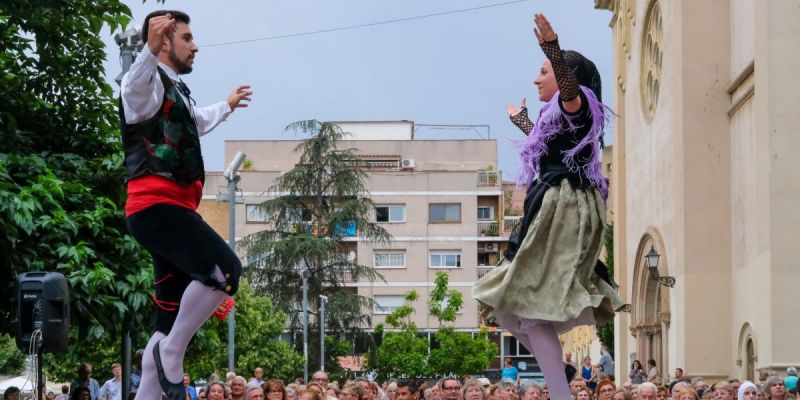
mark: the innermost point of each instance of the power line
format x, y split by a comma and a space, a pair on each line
348, 27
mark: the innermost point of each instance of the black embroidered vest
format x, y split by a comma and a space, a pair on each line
167, 144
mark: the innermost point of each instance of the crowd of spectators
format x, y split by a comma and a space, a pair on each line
640, 384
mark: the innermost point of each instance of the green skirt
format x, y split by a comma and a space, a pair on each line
552, 276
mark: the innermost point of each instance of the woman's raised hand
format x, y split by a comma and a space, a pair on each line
543, 30
512, 110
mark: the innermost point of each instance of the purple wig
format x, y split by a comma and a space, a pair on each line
549, 124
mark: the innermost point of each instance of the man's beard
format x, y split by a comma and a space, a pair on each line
183, 68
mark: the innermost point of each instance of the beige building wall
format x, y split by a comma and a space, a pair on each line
703, 177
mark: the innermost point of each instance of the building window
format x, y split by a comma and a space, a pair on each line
651, 59
444, 212
485, 213
254, 214
390, 259
386, 304
445, 259
390, 213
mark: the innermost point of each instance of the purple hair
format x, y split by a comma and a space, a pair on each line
548, 125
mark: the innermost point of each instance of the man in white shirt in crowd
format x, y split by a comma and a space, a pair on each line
112, 389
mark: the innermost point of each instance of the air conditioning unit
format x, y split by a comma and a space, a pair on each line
407, 163
491, 246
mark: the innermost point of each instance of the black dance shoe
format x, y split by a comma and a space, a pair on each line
174, 391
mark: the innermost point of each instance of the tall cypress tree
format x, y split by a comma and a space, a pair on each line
322, 204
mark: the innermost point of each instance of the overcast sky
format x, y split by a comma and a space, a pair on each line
456, 68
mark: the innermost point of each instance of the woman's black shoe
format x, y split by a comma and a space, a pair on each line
174, 391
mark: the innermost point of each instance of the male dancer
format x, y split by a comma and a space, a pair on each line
194, 269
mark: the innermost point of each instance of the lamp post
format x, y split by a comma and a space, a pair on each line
130, 44
322, 300
651, 261
305, 274
232, 178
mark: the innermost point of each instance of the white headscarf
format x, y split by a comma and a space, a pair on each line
746, 385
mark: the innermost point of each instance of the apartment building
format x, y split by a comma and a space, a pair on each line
441, 200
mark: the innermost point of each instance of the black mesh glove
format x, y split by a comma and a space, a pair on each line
522, 121
565, 78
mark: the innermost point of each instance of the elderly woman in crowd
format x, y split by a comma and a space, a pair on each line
748, 391
530, 391
274, 390
216, 391
775, 388
473, 390
724, 391
605, 389
509, 390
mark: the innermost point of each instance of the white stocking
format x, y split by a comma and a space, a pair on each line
197, 304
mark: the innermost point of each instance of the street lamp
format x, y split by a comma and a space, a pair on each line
305, 275
232, 178
322, 300
130, 44
651, 261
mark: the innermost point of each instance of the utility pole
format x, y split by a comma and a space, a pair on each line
130, 44
322, 300
233, 178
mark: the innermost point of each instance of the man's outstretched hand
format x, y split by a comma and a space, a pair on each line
240, 97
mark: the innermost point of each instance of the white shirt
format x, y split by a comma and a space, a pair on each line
142, 92
112, 390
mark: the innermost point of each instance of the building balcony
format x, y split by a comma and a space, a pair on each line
510, 223
488, 178
347, 277
488, 228
483, 270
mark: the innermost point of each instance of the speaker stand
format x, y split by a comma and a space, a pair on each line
41, 389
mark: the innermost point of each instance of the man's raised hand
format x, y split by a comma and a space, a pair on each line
157, 29
239, 97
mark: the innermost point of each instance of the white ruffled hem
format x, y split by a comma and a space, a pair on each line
513, 322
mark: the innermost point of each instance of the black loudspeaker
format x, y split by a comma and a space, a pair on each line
42, 303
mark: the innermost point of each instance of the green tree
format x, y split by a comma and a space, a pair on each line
61, 167
457, 353
401, 351
12, 361
606, 332
324, 204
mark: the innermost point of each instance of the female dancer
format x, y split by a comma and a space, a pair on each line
546, 283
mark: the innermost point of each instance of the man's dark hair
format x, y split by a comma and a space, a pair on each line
412, 386
450, 378
179, 16
679, 369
